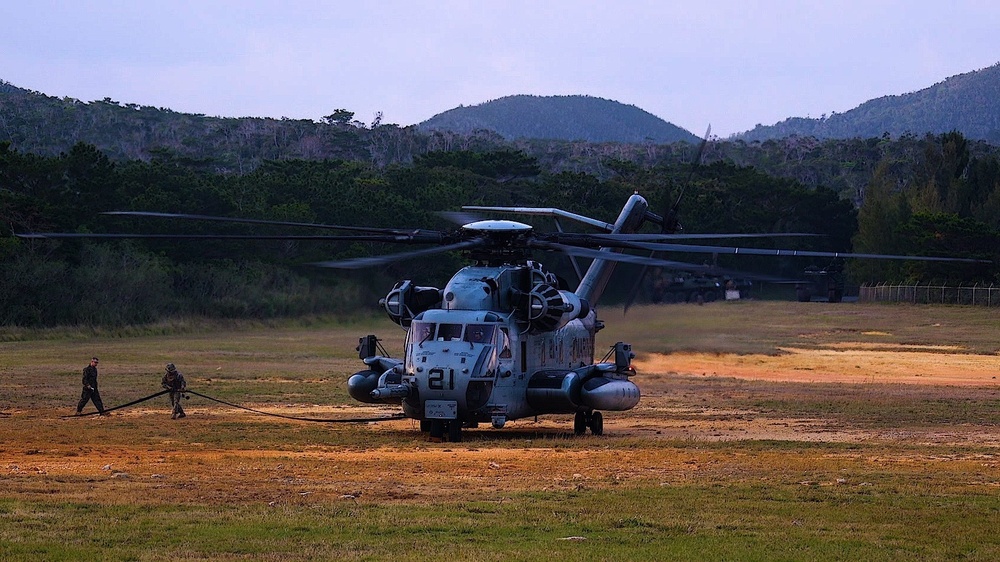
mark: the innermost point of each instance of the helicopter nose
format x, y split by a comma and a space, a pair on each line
452, 375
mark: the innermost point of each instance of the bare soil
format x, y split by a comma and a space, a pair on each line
693, 403
847, 362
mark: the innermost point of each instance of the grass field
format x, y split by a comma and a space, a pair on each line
767, 431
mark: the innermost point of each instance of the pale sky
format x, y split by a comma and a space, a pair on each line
731, 64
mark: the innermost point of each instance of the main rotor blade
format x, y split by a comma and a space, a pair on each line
574, 237
624, 243
458, 217
615, 256
778, 252
394, 238
655, 262
187, 216
359, 263
545, 211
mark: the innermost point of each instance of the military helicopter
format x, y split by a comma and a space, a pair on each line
505, 339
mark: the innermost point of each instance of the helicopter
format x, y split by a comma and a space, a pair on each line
505, 338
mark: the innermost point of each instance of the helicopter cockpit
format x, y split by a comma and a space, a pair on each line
423, 331
452, 360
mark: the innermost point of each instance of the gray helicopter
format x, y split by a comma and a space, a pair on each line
505, 339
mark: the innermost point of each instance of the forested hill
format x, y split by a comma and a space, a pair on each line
968, 103
571, 118
41, 124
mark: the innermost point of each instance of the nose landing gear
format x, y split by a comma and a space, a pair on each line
438, 428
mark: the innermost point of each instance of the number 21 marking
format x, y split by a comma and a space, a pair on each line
436, 379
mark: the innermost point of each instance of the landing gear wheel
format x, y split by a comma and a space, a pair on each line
580, 423
597, 423
437, 431
455, 431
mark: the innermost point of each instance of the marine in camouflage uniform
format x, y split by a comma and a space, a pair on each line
90, 391
173, 381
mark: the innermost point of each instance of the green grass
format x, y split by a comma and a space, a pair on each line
690, 522
765, 326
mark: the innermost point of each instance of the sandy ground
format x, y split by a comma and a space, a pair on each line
840, 363
659, 442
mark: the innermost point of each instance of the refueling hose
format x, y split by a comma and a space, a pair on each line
319, 420
132, 403
263, 413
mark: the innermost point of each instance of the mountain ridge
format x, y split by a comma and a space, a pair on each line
31, 121
573, 118
967, 102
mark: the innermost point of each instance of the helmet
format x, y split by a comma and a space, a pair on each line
171, 368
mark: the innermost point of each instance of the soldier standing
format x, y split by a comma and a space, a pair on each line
174, 382
90, 391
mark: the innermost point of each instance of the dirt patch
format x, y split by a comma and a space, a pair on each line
840, 363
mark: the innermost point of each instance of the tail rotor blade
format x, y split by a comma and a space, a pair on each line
671, 223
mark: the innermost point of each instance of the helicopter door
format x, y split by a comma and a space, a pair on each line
487, 336
506, 366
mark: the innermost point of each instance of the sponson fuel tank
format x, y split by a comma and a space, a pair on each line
563, 391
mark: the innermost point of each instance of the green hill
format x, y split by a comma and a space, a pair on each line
572, 118
968, 103
47, 125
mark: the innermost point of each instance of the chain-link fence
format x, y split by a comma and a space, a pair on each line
979, 295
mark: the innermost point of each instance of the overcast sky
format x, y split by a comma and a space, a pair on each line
731, 64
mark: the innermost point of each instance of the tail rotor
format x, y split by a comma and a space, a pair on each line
670, 220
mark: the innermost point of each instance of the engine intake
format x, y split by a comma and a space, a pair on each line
405, 301
547, 308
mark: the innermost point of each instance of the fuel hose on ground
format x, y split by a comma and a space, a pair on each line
232, 405
298, 418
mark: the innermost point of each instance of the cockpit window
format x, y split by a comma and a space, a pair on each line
479, 333
449, 332
422, 331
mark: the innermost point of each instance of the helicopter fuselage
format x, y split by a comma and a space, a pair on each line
477, 367
504, 344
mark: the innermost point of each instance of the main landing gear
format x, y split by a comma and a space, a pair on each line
593, 420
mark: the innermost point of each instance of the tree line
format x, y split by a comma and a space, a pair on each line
943, 209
